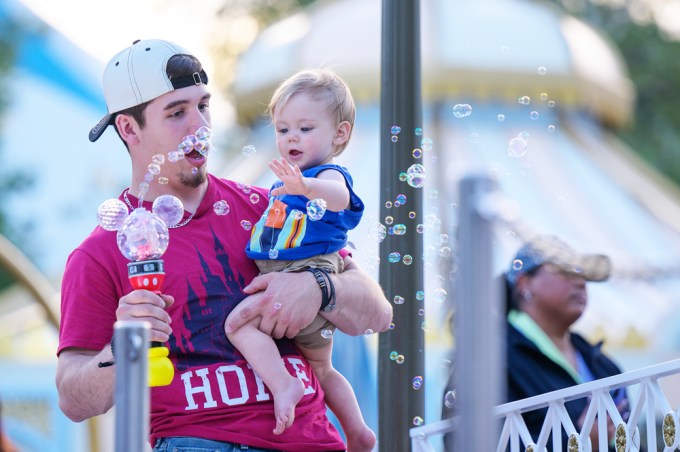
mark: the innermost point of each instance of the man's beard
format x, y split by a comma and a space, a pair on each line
194, 180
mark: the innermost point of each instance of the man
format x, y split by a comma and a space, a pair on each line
156, 94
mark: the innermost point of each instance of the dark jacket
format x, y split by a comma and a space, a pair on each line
531, 373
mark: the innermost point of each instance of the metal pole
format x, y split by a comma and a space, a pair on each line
401, 349
131, 345
478, 321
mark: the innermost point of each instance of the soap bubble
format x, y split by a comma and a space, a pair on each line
416, 175
517, 147
450, 399
248, 150
187, 144
316, 208
326, 334
111, 214
143, 236
169, 209
221, 207
394, 257
204, 133
154, 168
462, 110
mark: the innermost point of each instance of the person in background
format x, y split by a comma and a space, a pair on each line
157, 97
313, 115
545, 292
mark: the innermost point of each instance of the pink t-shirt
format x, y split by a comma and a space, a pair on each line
214, 393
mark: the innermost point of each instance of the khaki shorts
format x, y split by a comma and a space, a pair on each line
310, 336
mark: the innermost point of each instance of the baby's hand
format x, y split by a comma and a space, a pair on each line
294, 183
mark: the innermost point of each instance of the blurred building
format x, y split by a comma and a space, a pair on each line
545, 92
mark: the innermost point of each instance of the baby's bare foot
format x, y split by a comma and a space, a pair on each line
284, 404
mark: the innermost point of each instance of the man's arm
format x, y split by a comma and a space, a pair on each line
84, 388
287, 302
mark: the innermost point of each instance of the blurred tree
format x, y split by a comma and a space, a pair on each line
243, 20
10, 35
635, 27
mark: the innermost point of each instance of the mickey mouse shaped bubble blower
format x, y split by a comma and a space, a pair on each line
143, 237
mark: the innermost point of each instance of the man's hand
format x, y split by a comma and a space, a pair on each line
286, 302
150, 307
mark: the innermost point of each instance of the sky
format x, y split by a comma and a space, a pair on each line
103, 28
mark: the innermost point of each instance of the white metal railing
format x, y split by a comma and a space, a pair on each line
646, 403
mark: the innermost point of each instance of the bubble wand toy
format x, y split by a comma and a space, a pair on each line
143, 237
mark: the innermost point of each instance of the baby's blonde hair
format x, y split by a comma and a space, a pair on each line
321, 85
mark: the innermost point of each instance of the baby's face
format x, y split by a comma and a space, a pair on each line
306, 135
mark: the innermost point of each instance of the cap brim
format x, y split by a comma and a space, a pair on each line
596, 267
101, 126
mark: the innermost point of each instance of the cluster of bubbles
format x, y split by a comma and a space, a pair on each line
396, 357
143, 235
395, 133
200, 141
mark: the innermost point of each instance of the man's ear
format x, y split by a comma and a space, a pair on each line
127, 128
342, 133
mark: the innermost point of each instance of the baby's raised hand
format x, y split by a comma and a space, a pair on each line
294, 183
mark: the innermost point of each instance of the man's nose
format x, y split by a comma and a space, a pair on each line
198, 120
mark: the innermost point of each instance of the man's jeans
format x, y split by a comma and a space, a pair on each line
190, 444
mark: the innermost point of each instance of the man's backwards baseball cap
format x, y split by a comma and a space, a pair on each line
137, 75
552, 250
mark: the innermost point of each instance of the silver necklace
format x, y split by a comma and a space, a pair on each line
178, 225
